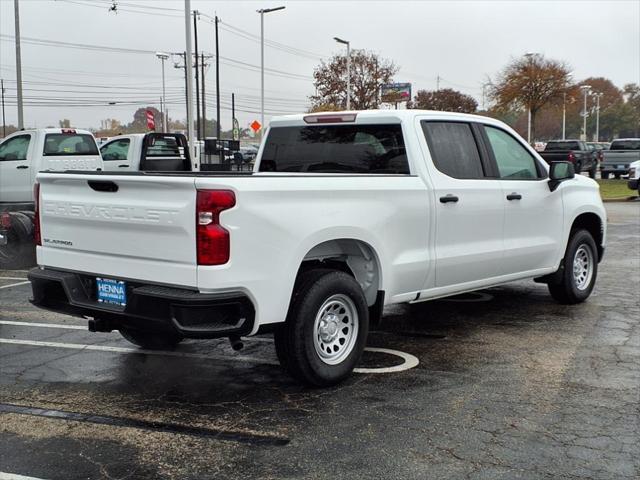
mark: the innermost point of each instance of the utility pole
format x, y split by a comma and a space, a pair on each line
163, 56
233, 109
585, 90
188, 67
4, 123
345, 42
437, 82
218, 130
564, 115
195, 35
16, 11
204, 108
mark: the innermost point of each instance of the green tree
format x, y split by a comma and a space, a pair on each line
446, 100
368, 72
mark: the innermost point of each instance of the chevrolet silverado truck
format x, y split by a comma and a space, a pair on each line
345, 212
577, 152
22, 155
621, 154
151, 151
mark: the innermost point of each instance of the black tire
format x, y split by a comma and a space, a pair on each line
566, 290
593, 171
578, 168
20, 250
152, 340
604, 175
617, 175
295, 342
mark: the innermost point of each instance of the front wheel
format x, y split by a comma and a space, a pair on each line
580, 269
326, 328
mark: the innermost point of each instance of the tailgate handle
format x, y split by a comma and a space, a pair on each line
103, 186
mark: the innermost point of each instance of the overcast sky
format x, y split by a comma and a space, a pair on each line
463, 42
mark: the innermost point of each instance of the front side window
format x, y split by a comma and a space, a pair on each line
513, 160
453, 149
116, 150
66, 144
369, 149
15, 148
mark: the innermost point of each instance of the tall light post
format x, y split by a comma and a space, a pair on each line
564, 106
585, 91
597, 95
16, 13
262, 11
163, 56
529, 57
345, 42
188, 62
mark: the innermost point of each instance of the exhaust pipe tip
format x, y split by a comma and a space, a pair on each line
236, 343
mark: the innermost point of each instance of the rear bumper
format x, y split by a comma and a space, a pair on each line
149, 307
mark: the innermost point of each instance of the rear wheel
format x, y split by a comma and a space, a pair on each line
326, 328
617, 175
593, 171
578, 167
152, 341
20, 250
580, 269
604, 175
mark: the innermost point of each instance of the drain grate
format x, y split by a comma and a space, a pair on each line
217, 434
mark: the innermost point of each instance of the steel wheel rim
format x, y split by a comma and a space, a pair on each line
583, 267
335, 329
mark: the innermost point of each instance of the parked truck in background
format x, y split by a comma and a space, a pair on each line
152, 151
344, 213
577, 152
22, 155
618, 158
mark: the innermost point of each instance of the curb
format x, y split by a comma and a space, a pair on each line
620, 199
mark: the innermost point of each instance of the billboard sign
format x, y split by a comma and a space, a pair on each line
395, 92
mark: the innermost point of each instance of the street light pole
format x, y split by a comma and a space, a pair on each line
529, 56
345, 42
188, 62
564, 106
598, 95
585, 90
16, 12
163, 56
262, 11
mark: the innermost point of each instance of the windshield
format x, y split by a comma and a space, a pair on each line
63, 144
626, 145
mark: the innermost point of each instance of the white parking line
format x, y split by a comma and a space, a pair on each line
12, 278
13, 476
410, 361
14, 285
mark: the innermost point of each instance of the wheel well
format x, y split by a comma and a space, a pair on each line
353, 257
593, 224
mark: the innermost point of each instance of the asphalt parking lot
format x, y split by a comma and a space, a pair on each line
504, 383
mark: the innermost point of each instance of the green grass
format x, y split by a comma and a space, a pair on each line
613, 188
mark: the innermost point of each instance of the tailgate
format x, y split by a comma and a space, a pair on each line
128, 227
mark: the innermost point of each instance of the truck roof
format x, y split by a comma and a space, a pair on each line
378, 116
53, 130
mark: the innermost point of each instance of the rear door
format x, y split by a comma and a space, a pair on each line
469, 205
16, 169
124, 227
533, 214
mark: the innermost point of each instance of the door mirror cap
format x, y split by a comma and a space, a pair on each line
559, 172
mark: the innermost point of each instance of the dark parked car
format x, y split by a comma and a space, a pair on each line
583, 157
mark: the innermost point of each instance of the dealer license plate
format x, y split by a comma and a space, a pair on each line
111, 291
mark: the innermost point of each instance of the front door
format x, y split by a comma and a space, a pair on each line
15, 170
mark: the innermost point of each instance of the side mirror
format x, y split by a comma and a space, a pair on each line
559, 172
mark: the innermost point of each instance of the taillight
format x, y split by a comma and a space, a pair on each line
36, 219
571, 157
212, 240
5, 220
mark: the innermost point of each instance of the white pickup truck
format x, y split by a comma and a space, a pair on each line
151, 151
344, 213
22, 155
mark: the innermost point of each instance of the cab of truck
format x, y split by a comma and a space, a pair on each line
168, 152
26, 152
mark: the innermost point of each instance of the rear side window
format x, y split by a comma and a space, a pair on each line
625, 145
453, 149
163, 147
513, 160
62, 144
562, 146
373, 149
116, 150
15, 148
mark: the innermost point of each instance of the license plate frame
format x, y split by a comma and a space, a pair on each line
111, 291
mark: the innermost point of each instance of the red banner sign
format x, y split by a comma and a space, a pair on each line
151, 123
